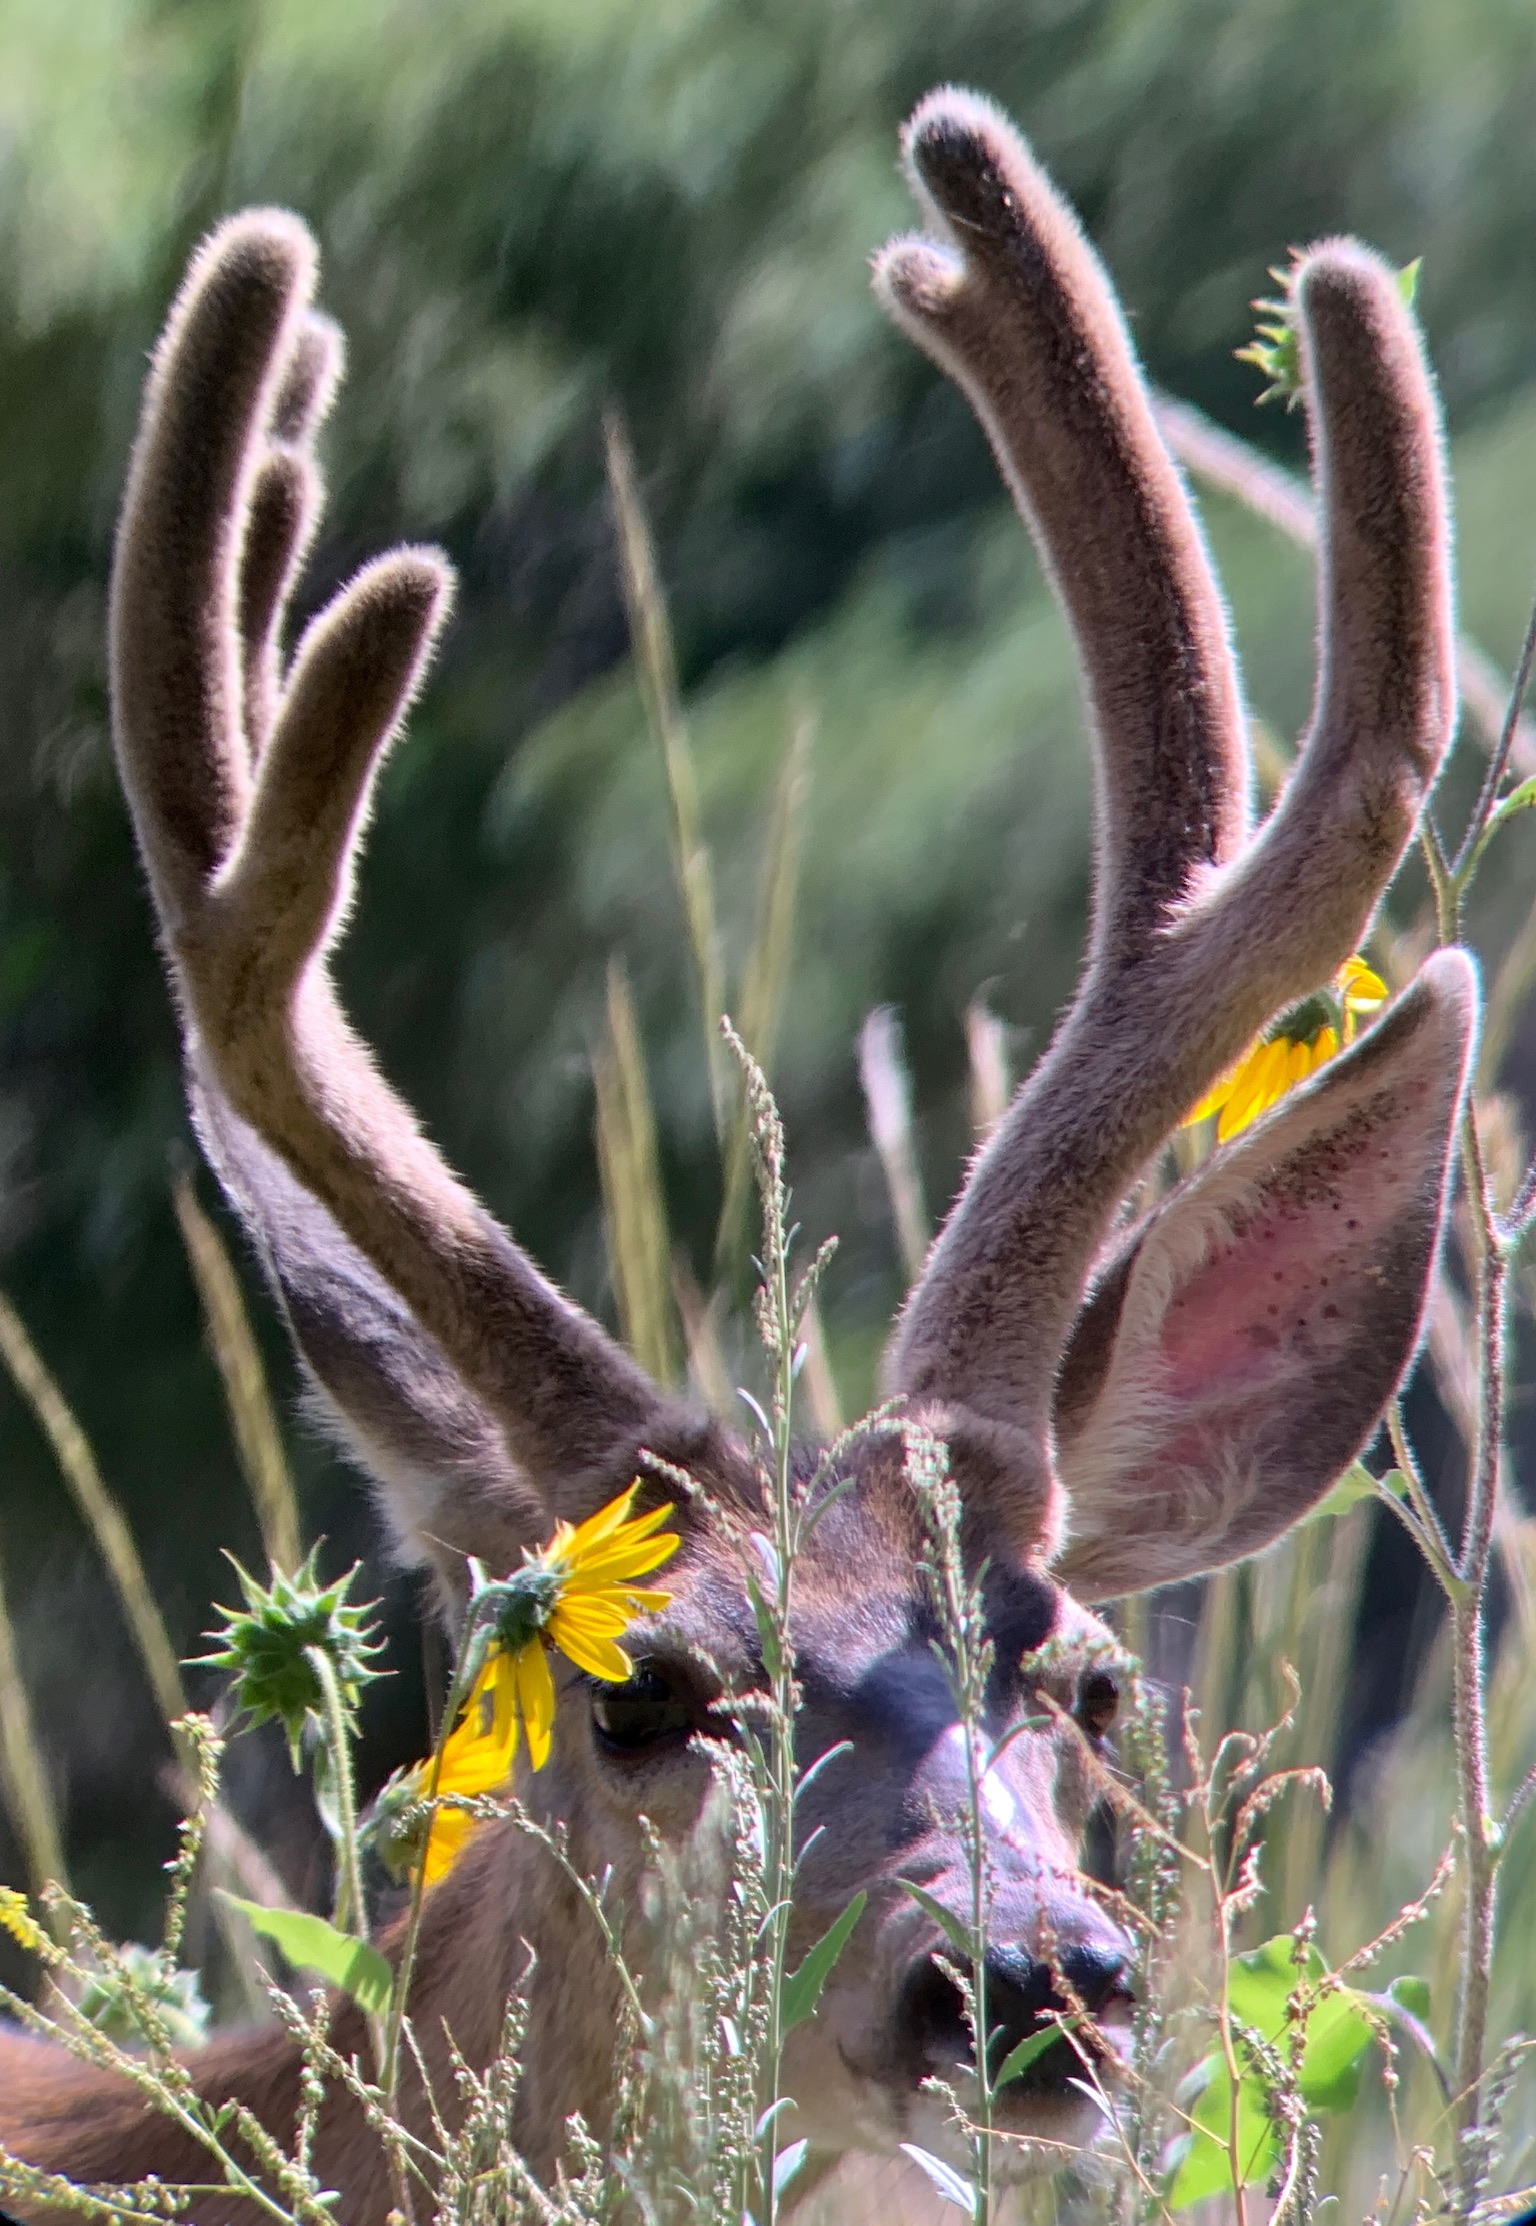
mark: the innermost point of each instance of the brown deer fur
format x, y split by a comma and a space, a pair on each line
1121, 1409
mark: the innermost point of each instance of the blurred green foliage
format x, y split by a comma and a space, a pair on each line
528, 210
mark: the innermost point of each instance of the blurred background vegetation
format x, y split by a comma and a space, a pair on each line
531, 210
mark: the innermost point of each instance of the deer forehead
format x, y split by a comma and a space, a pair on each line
867, 1636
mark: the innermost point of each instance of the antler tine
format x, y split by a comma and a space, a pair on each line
1018, 311
251, 838
284, 508
175, 655
1197, 943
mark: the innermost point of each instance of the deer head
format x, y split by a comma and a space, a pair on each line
1124, 1403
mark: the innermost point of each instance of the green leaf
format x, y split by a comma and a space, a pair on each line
1338, 2035
1338, 2032
1356, 1484
954, 1928
1411, 1994
767, 1630
1519, 799
1018, 2060
1200, 2159
802, 1988
310, 1944
944, 2177
1408, 280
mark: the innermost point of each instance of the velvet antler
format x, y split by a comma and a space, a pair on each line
1199, 935
250, 788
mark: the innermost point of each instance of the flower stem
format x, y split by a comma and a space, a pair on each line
349, 1908
458, 1693
350, 1913
1468, 1605
780, 1805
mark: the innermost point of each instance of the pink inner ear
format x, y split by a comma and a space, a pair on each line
1288, 1294
1250, 1335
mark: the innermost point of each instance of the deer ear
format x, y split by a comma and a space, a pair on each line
1238, 1351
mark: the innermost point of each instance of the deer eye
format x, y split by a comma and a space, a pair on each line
631, 1719
1098, 1702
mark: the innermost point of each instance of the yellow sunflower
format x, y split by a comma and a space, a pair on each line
1300, 1042
580, 1594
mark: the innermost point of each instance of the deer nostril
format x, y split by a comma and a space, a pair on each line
933, 2026
1021, 1990
1097, 1976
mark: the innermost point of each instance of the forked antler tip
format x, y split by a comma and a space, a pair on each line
367, 652
259, 239
980, 189
311, 379
959, 149
363, 659
245, 281
914, 278
416, 583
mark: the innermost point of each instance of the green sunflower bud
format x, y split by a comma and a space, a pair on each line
268, 1648
147, 1976
394, 1829
1305, 1022
508, 1611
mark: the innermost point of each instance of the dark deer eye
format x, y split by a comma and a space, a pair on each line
630, 1719
1098, 1702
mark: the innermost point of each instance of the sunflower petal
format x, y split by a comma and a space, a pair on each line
474, 1766
620, 1563
503, 1684
645, 1599
1363, 990
624, 1547
633, 1539
535, 1700
601, 1616
592, 1651
1216, 1096
571, 1544
451, 1830
1248, 1095
641, 1526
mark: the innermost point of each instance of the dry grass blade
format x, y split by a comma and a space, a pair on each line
820, 1385
700, 1317
888, 1103
1328, 1566
986, 1044
1230, 465
656, 666
767, 973
1512, 984
28, 1795
635, 1212
1217, 1683
257, 1439
103, 1516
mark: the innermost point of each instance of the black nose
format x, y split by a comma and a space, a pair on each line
1021, 1989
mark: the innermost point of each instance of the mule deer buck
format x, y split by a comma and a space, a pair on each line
1125, 1402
